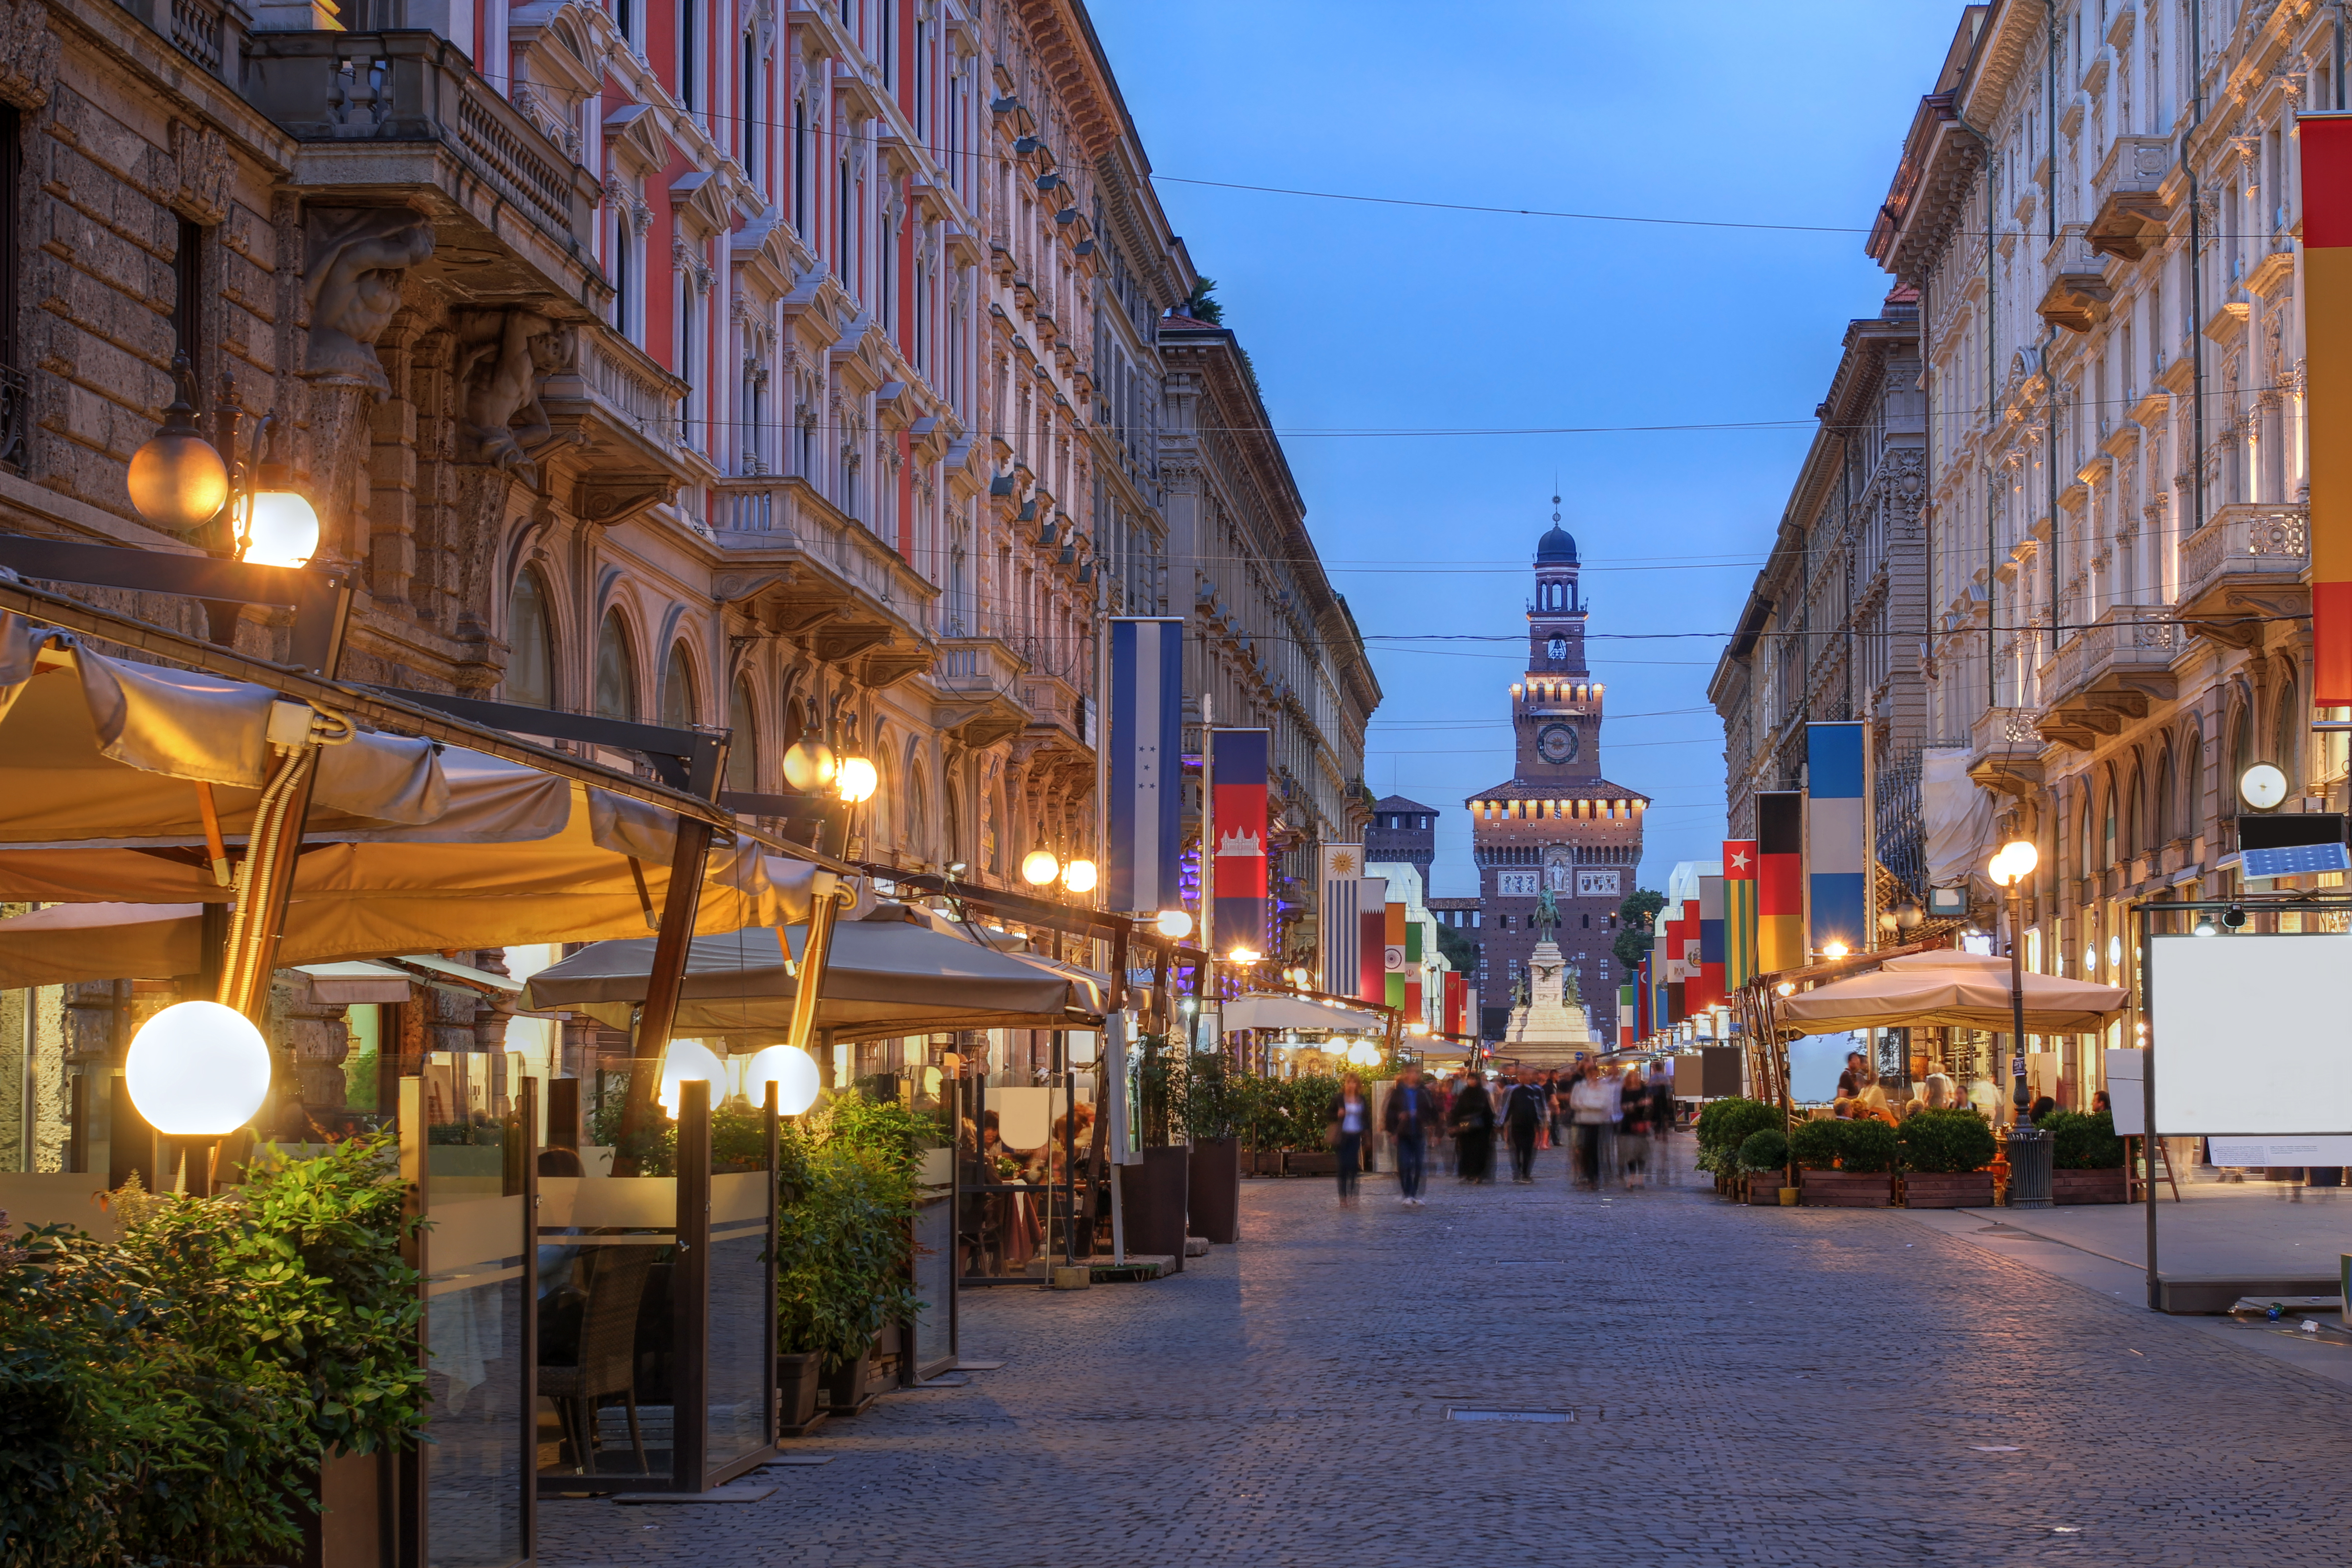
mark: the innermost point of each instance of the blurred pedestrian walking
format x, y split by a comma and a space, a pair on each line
1593, 1107
1409, 1118
1634, 1129
1350, 1117
1523, 1111
1473, 1122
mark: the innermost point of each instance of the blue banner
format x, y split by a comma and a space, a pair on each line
1145, 813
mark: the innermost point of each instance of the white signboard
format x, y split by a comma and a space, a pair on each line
2249, 1034
2326, 1150
1596, 884
2127, 1091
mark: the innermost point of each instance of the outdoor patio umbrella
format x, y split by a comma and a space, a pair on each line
1260, 1011
886, 976
1959, 990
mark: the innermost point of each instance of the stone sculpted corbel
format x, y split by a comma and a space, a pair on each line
201, 171
504, 359
28, 54
352, 283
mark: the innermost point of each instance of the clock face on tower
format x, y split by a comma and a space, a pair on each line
1556, 743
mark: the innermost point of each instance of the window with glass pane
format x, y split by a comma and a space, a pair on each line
679, 707
531, 646
617, 682
743, 751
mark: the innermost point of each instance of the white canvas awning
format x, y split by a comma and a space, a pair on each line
1959, 990
1265, 1010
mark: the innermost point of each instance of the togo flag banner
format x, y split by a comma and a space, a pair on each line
2327, 367
1147, 795
1239, 760
1738, 913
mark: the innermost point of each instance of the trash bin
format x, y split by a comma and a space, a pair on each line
2028, 1167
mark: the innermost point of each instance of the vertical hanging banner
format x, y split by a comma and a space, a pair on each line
1372, 983
1239, 760
1457, 993
1415, 1008
2326, 305
1837, 836
1628, 1017
1392, 956
1338, 926
1145, 813
1779, 881
1738, 913
1710, 943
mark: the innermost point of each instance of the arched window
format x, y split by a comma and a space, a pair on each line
952, 827
2192, 783
530, 645
2241, 748
616, 678
2167, 817
2288, 728
678, 708
2133, 842
743, 751
2107, 830
2086, 861
916, 817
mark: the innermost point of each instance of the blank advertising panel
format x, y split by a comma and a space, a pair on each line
2250, 1034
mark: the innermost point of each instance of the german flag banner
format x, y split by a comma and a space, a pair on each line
1779, 881
2327, 360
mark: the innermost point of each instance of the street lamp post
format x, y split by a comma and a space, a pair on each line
2029, 1146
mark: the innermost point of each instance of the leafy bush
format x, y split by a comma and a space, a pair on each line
1935, 1143
1818, 1144
1767, 1150
2083, 1141
1725, 1123
168, 1398
1868, 1147
846, 1244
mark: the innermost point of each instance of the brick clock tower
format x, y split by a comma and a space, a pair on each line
1557, 823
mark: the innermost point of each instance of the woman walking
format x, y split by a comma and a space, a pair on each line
1474, 1130
1633, 1130
1592, 1104
1350, 1116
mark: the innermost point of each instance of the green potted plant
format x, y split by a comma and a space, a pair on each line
1306, 1103
1947, 1157
1217, 1107
1763, 1159
1844, 1165
845, 1234
1724, 1127
2088, 1158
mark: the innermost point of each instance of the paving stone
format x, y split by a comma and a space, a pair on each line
1749, 1385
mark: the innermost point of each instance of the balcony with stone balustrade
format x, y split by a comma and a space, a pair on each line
2109, 672
2246, 565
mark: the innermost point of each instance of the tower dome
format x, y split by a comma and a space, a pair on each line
1557, 545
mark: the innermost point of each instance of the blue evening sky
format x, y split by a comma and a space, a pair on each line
1370, 317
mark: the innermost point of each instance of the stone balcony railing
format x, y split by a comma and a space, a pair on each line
2108, 672
2005, 749
2127, 213
2245, 546
413, 86
2077, 295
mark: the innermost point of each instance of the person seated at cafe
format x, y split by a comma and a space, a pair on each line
1857, 1074
2101, 1105
2043, 1107
1871, 1105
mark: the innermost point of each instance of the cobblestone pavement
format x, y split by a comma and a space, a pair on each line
1748, 1385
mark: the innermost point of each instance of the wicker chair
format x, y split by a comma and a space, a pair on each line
608, 1353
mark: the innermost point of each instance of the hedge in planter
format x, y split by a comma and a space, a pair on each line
1765, 1150
844, 1246
2083, 1141
1939, 1142
1724, 1124
169, 1398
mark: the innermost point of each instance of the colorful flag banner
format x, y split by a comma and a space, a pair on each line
1710, 943
1392, 952
2326, 305
1371, 939
1237, 758
1738, 913
1779, 881
1145, 809
1837, 829
1337, 929
1628, 1019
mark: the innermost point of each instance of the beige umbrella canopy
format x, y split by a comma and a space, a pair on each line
1956, 989
884, 977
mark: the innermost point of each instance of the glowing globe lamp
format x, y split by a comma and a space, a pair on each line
809, 765
1174, 925
793, 1072
857, 780
282, 529
1039, 867
198, 1070
686, 1058
177, 480
1079, 877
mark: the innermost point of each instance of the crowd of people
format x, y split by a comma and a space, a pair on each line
1612, 1121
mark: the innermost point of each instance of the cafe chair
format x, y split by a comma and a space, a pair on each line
607, 1364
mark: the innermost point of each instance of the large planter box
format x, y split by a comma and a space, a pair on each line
1846, 1189
1324, 1163
1214, 1190
1948, 1189
2070, 1188
848, 1390
1152, 1196
799, 1376
1763, 1189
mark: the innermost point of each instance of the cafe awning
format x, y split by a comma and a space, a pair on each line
1952, 989
886, 976
1266, 1010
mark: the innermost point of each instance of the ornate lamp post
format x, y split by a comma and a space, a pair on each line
2029, 1146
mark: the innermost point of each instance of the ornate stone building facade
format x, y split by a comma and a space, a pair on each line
1555, 826
2097, 208
791, 370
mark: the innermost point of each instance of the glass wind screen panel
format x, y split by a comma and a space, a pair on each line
934, 1283
607, 1330
474, 1456
740, 1328
465, 1160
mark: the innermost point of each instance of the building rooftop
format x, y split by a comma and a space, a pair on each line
1558, 789
1399, 803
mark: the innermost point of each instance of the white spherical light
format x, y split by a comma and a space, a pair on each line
688, 1059
793, 1072
1039, 867
198, 1070
857, 780
1174, 925
282, 531
1080, 876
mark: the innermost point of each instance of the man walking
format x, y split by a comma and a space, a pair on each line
1595, 1104
1410, 1115
1524, 1109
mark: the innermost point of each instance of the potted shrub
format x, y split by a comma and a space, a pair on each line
2088, 1157
1844, 1165
1764, 1160
1217, 1106
1945, 1157
845, 1252
1309, 1146
1724, 1125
